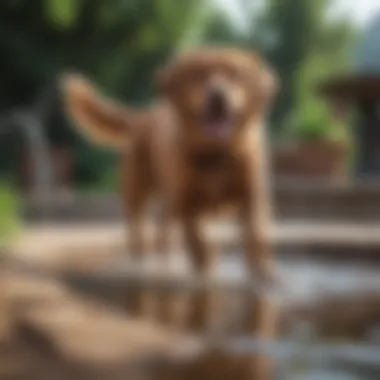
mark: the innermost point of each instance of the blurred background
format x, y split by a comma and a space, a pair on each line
59, 204
120, 45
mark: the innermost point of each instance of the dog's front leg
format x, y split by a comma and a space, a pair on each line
203, 302
256, 226
202, 254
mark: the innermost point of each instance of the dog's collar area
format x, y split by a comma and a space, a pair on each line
208, 160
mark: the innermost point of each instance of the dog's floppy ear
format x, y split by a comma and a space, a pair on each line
102, 120
163, 80
269, 82
266, 80
166, 78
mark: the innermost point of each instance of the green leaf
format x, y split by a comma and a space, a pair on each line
62, 13
9, 221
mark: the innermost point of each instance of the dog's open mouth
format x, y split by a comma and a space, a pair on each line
218, 120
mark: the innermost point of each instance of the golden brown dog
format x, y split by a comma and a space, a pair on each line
200, 147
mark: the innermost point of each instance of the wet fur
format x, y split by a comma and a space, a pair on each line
166, 153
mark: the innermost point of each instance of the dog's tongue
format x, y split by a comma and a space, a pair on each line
220, 128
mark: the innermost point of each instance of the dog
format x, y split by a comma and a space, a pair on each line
201, 147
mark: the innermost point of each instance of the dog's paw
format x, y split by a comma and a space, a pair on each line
269, 281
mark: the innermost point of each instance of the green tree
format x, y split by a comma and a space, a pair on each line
311, 115
303, 46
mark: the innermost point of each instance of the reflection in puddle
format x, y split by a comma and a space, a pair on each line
304, 350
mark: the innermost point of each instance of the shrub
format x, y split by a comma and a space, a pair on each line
314, 122
9, 216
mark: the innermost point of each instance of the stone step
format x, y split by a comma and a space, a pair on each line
83, 244
359, 201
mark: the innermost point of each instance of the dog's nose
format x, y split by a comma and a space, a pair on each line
217, 101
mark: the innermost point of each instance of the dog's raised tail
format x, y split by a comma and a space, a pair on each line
104, 121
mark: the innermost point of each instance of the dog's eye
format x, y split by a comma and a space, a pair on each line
197, 76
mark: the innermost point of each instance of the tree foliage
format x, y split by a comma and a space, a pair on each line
305, 46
